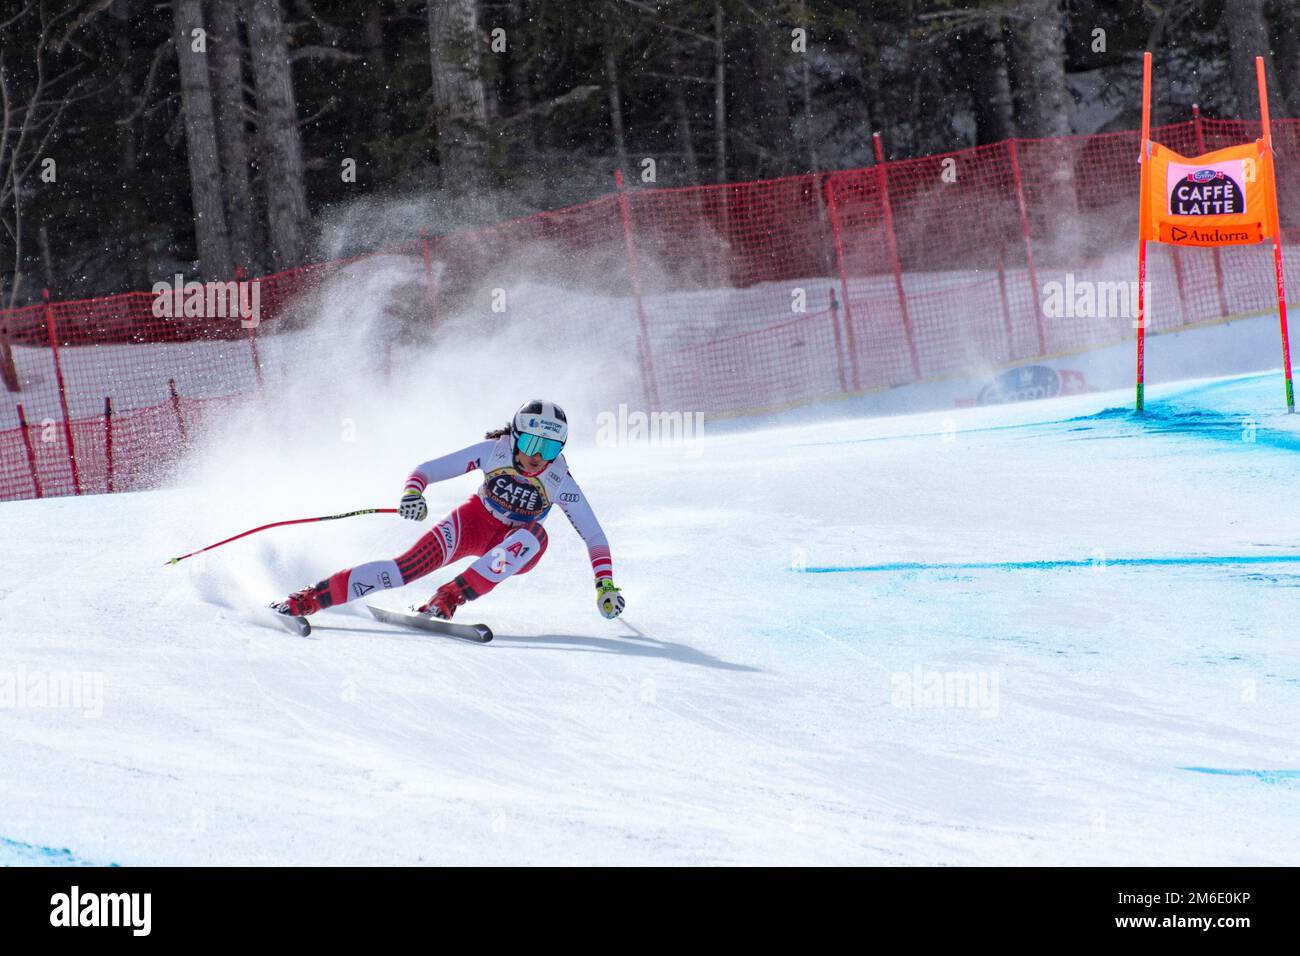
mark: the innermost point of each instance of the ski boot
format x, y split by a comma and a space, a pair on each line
444, 602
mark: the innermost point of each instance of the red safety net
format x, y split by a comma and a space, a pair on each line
735, 297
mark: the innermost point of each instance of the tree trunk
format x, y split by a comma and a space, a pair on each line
280, 146
372, 38
201, 144
1044, 102
1243, 21
1286, 31
984, 57
805, 88
685, 140
770, 104
719, 97
132, 220
459, 100
522, 79
47, 255
616, 111
1039, 50
8, 370
872, 76
228, 87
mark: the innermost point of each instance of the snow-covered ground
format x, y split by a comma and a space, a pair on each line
1040, 633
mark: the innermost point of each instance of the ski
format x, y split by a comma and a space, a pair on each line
295, 625
478, 633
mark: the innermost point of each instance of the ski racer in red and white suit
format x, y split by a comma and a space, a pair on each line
501, 525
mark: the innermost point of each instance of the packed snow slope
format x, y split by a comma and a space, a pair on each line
1042, 633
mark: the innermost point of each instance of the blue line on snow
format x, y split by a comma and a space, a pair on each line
17, 853
1206, 559
964, 431
1170, 415
1267, 776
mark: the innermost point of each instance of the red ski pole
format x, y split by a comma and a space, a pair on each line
278, 524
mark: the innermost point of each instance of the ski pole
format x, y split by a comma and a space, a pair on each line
278, 524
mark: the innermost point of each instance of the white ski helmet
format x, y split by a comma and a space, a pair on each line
540, 427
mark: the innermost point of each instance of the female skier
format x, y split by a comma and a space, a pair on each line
501, 524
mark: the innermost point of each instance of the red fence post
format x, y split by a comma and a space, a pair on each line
8, 368
1218, 263
427, 253
31, 452
63, 392
1178, 281
108, 442
252, 329
647, 362
893, 253
1034, 291
176, 407
844, 282
1006, 309
839, 345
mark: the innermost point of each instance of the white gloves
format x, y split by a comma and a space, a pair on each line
413, 506
608, 600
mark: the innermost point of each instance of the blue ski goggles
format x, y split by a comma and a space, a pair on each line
548, 448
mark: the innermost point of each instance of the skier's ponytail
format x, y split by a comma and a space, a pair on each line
498, 432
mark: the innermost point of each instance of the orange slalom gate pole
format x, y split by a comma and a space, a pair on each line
1143, 154
1277, 238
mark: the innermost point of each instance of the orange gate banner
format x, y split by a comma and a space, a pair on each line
1218, 199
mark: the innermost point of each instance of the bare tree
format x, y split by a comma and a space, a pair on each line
1247, 32
615, 108
1038, 28
459, 99
31, 105
809, 145
685, 138
232, 139
210, 232
521, 77
719, 97
691, 33
978, 35
765, 97
984, 55
1286, 29
280, 144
